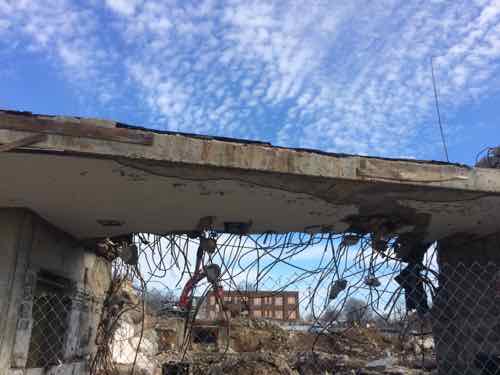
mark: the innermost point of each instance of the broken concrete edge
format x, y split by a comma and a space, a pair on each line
179, 148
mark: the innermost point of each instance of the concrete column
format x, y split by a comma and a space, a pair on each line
28, 245
466, 310
15, 246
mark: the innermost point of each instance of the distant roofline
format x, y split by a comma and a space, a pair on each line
259, 292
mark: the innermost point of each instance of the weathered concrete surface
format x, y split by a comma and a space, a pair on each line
248, 155
81, 183
15, 243
28, 245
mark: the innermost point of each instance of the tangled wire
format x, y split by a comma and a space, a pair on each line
117, 303
328, 269
488, 158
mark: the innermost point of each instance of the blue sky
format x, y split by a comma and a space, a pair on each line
342, 76
306, 265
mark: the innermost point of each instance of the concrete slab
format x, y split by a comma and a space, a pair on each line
94, 183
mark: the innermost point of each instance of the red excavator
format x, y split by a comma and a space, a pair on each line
210, 271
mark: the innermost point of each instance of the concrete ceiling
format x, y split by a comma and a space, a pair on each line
89, 197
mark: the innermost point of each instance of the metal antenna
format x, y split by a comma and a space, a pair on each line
438, 112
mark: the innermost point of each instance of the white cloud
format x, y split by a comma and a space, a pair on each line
4, 25
353, 77
67, 36
71, 57
124, 7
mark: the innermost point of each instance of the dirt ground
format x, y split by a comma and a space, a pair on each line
259, 347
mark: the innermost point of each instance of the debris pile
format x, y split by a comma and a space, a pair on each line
260, 347
163, 345
245, 363
252, 335
135, 345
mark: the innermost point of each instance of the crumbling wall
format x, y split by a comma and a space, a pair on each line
466, 310
29, 246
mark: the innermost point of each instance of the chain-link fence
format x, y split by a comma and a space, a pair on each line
446, 322
51, 319
454, 328
50, 316
466, 319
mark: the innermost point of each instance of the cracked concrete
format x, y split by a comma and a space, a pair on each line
171, 180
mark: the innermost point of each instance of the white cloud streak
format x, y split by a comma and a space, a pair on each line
351, 77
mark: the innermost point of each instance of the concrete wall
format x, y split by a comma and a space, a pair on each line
16, 225
466, 310
27, 245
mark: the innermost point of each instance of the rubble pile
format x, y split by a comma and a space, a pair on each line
244, 363
252, 335
362, 343
260, 347
310, 363
131, 338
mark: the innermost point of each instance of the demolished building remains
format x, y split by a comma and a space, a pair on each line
75, 190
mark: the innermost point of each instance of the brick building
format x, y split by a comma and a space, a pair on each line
256, 304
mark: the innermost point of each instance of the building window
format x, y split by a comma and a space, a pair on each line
212, 300
256, 301
257, 313
292, 315
278, 314
227, 299
291, 300
50, 314
278, 301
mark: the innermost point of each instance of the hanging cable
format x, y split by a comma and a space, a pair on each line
436, 99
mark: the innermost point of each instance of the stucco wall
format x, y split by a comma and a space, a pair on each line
27, 245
